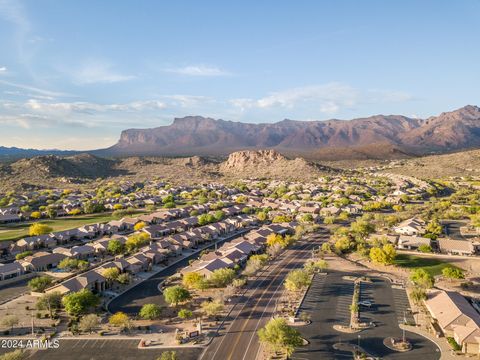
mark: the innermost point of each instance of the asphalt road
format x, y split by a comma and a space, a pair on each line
14, 289
452, 228
108, 349
238, 340
326, 304
147, 291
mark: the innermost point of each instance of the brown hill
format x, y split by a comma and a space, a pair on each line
53, 171
463, 163
378, 136
270, 164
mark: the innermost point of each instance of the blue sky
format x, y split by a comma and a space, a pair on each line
73, 74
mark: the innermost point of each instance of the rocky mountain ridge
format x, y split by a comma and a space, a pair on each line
389, 136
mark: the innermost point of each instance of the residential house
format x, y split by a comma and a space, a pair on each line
11, 270
412, 242
413, 226
456, 318
41, 261
456, 247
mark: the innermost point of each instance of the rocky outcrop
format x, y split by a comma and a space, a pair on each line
243, 159
270, 164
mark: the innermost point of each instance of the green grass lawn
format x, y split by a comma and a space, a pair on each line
18, 231
431, 265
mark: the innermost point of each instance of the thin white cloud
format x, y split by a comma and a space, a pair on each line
63, 108
199, 70
95, 71
327, 98
3, 70
34, 89
186, 101
14, 121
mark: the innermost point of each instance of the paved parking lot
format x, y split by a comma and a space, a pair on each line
330, 296
99, 349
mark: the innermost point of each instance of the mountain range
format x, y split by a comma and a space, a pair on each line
375, 137
379, 136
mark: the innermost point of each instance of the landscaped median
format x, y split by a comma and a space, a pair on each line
356, 325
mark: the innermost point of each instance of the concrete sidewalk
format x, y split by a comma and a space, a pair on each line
444, 347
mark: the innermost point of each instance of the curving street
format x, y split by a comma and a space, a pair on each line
147, 291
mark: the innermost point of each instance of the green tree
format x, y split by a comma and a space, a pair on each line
168, 355
297, 279
219, 215
23, 255
185, 314
150, 312
193, 280
176, 294
139, 226
222, 277
422, 278
39, 229
136, 241
111, 274
79, 302
424, 248
51, 213
384, 255
451, 272
262, 216
124, 278
115, 247
311, 266
73, 264
89, 207
433, 227
36, 215
390, 252
120, 320
39, 284
308, 218
362, 228
212, 308
418, 294
50, 301
344, 244
326, 248
277, 335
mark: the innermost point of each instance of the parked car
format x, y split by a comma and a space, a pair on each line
365, 303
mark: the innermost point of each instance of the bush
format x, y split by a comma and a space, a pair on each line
150, 312
39, 284
23, 255
455, 346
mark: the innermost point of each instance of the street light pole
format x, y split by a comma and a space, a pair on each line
31, 315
